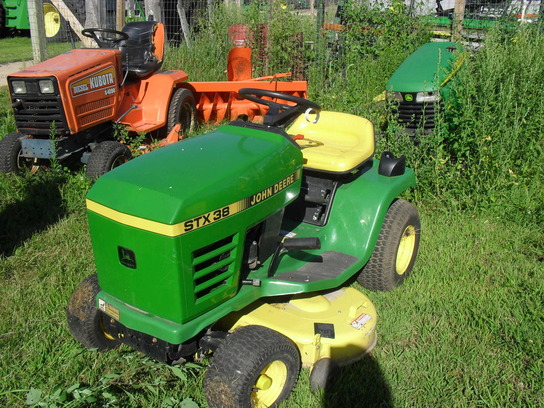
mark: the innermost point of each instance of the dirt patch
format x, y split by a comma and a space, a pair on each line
6, 69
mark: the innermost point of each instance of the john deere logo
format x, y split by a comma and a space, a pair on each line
127, 257
409, 98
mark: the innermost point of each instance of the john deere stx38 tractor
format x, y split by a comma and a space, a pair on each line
243, 243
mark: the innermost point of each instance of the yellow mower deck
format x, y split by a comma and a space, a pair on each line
339, 325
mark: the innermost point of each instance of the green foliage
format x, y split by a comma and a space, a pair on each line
133, 141
7, 121
487, 150
352, 67
271, 30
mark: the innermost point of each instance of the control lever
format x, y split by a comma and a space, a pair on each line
292, 244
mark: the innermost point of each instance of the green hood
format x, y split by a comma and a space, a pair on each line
426, 69
189, 178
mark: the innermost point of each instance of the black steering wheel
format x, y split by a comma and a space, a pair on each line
108, 38
280, 114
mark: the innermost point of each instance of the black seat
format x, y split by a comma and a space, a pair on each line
142, 54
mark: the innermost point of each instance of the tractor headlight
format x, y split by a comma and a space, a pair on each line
427, 97
19, 87
46, 86
393, 96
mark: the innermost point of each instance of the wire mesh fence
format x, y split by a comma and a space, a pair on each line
63, 20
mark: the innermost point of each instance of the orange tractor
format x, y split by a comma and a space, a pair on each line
66, 108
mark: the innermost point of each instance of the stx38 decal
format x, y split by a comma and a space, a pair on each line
196, 222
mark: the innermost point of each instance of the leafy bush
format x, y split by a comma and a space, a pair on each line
490, 156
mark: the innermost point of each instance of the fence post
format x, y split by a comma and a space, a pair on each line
120, 15
458, 16
37, 30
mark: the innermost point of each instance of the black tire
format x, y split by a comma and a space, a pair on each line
396, 249
182, 110
105, 157
254, 365
85, 321
10, 156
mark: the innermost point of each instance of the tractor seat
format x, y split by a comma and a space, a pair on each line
142, 54
337, 143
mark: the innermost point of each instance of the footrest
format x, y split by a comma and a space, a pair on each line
328, 265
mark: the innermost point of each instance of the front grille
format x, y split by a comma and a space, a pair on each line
213, 266
416, 115
35, 112
96, 116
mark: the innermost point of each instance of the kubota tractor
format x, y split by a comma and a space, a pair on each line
66, 107
242, 243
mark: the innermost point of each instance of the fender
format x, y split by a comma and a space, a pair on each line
356, 218
367, 200
145, 105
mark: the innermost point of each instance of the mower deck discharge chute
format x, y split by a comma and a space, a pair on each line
239, 243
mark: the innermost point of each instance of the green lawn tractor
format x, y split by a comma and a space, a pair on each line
421, 86
243, 243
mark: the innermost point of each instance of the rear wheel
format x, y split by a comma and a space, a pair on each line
11, 160
396, 249
254, 367
85, 321
182, 110
106, 156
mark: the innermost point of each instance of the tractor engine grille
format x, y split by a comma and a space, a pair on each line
417, 116
213, 266
35, 112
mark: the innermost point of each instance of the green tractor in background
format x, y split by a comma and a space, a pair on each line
421, 86
243, 243
14, 16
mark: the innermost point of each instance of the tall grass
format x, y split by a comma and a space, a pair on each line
486, 153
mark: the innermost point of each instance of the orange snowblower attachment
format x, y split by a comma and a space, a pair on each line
218, 101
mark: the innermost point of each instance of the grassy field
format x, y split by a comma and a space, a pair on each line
465, 330
20, 49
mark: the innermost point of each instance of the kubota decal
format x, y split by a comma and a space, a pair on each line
97, 81
196, 222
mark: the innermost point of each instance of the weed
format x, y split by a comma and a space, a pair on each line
133, 142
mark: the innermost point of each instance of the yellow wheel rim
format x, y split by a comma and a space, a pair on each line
51, 18
269, 384
405, 252
104, 332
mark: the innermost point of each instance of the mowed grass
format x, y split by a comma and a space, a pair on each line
464, 331
20, 49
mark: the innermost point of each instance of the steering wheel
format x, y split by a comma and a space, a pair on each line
280, 114
109, 38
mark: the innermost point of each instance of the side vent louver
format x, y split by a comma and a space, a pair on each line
212, 266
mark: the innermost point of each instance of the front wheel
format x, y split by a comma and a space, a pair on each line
85, 321
105, 157
255, 367
396, 249
11, 160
